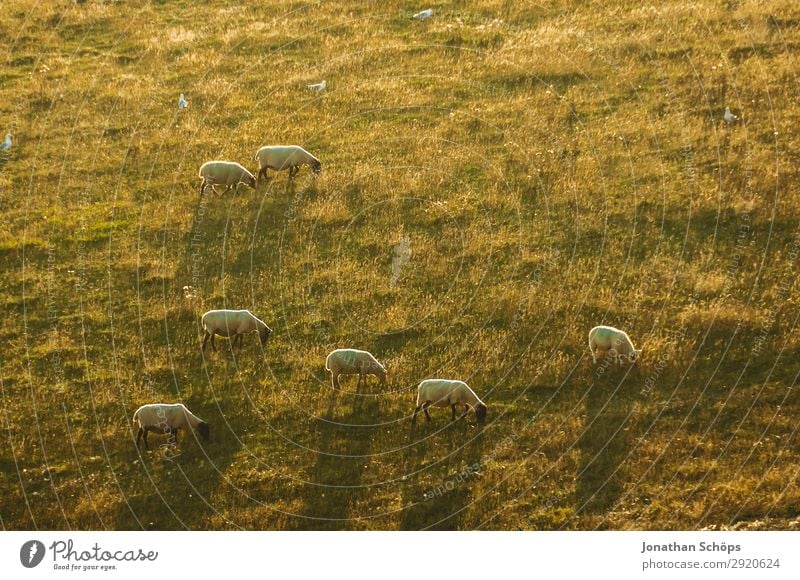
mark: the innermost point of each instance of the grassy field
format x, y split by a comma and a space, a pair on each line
496, 181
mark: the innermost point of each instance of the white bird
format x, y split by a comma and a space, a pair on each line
318, 87
6, 145
728, 116
182, 103
424, 15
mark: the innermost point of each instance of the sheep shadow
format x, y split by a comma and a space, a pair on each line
440, 500
606, 440
335, 483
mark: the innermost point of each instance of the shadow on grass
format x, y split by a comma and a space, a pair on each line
606, 440
442, 504
335, 485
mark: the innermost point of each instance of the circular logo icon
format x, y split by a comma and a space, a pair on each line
31, 553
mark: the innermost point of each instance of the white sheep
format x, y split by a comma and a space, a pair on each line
616, 342
233, 324
444, 393
280, 157
227, 173
167, 419
350, 361
7, 144
318, 87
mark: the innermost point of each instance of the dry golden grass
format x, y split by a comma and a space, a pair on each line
554, 165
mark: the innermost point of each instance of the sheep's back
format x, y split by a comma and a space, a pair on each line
348, 359
441, 392
610, 337
228, 320
279, 156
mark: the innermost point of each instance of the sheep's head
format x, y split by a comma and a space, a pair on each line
202, 428
480, 413
316, 166
251, 181
634, 355
380, 372
264, 333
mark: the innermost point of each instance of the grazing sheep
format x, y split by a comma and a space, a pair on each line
233, 324
167, 419
182, 102
280, 157
6, 145
616, 342
728, 116
349, 361
443, 393
317, 87
227, 173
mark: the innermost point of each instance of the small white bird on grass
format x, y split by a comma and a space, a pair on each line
6, 145
728, 116
182, 102
318, 87
424, 15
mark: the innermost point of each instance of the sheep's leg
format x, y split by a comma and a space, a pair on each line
205, 340
146, 431
425, 408
335, 380
453, 414
594, 353
414, 416
262, 172
213, 341
202, 187
612, 352
139, 436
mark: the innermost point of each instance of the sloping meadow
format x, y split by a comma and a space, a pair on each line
496, 180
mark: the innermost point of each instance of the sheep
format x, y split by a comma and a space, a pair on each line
349, 361
233, 324
280, 157
227, 173
167, 419
8, 143
614, 341
445, 392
